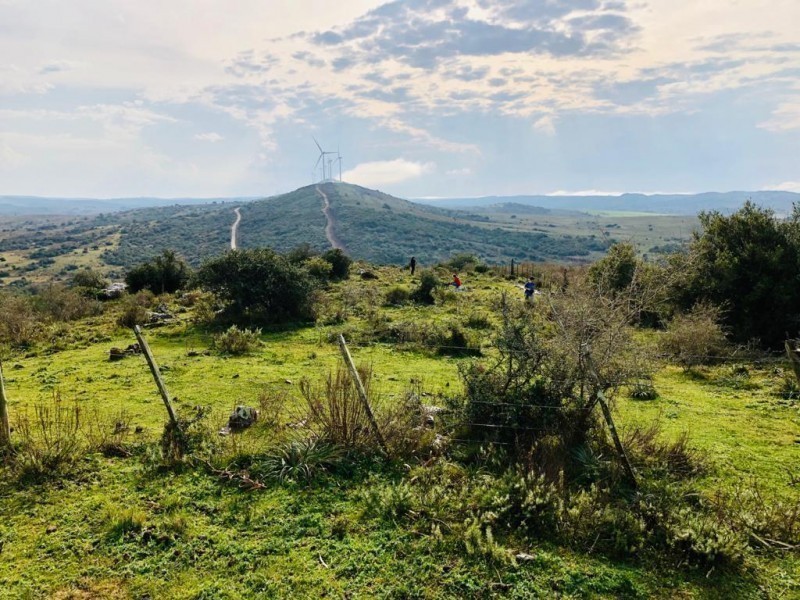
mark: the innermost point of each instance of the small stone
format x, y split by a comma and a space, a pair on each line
139, 429
287, 381
235, 376
51, 529
525, 557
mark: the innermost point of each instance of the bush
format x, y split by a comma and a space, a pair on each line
19, 324
424, 292
50, 443
237, 342
259, 285
134, 309
643, 390
462, 262
340, 263
695, 338
397, 295
89, 280
165, 274
301, 460
319, 268
61, 304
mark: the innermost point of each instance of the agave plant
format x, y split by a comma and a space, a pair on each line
302, 460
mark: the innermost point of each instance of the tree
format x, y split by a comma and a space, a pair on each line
165, 274
340, 263
749, 264
259, 285
615, 271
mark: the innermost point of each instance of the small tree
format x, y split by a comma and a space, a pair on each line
696, 337
165, 274
90, 280
259, 285
340, 263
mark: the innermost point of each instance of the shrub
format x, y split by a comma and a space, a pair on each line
336, 411
301, 460
454, 341
340, 263
259, 285
643, 390
704, 541
50, 443
695, 338
301, 253
424, 292
462, 262
165, 274
319, 268
88, 280
134, 312
789, 388
615, 271
62, 304
19, 324
397, 295
237, 342
444, 295
478, 321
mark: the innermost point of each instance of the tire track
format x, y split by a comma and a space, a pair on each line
235, 228
333, 240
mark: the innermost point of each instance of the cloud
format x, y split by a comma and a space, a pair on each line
423, 33
384, 172
211, 136
786, 186
545, 125
56, 67
784, 118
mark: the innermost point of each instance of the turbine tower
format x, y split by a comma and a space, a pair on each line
326, 175
340, 163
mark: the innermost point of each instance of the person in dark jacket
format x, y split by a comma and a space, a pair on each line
412, 265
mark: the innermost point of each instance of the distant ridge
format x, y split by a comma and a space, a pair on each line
39, 205
673, 204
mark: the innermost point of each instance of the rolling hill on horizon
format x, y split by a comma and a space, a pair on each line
371, 225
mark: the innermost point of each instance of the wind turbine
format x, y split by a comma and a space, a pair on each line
340, 163
322, 154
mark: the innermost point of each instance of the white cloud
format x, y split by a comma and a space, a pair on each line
784, 118
211, 136
465, 172
786, 186
383, 172
545, 125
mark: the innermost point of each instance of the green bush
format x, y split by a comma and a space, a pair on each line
319, 268
340, 263
643, 390
695, 338
89, 280
424, 292
164, 274
259, 285
397, 295
237, 342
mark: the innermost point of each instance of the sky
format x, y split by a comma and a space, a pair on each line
421, 98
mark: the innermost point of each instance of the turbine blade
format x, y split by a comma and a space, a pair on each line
317, 143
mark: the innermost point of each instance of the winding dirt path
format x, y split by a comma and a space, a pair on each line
235, 228
334, 241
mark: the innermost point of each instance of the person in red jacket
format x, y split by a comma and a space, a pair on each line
456, 283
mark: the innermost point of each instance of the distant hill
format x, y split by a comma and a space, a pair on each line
373, 226
35, 205
673, 204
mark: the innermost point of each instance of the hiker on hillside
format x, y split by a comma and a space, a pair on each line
530, 289
456, 283
412, 265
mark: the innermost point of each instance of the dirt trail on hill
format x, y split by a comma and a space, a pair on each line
235, 228
335, 242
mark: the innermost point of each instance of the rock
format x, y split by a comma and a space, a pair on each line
116, 354
287, 381
235, 376
242, 417
17, 367
367, 274
525, 557
51, 529
193, 353
139, 429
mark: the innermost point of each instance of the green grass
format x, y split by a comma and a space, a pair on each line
121, 528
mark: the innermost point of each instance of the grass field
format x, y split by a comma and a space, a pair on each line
122, 527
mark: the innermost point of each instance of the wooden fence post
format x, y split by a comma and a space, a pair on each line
626, 464
794, 359
512, 267
362, 393
151, 362
5, 426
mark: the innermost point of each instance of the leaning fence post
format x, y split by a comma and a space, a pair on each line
794, 360
151, 362
512, 267
5, 427
362, 393
626, 464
